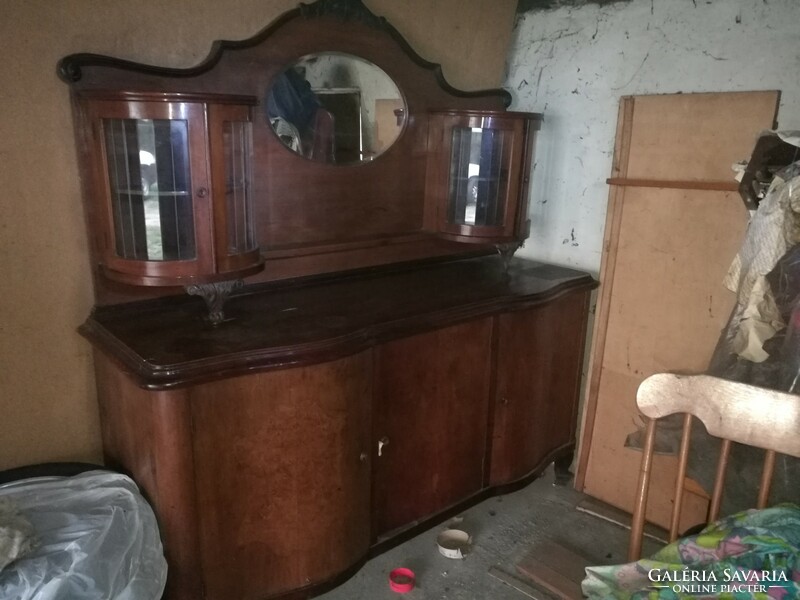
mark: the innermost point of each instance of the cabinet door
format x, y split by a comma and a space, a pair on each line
282, 477
479, 173
152, 185
539, 359
231, 155
429, 422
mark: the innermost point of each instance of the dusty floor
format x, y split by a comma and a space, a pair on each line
503, 529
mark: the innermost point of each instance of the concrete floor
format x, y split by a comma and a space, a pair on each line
503, 529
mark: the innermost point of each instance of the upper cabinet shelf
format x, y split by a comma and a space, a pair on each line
478, 174
170, 186
323, 144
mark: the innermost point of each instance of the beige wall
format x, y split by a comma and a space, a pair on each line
47, 400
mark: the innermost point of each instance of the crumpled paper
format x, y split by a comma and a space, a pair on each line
773, 229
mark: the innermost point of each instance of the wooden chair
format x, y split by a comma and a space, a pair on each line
735, 412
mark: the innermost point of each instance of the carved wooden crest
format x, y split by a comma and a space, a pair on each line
347, 10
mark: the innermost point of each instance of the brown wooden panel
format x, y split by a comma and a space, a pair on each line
668, 322
148, 436
672, 320
720, 186
613, 469
431, 397
556, 568
696, 136
662, 304
616, 195
282, 477
539, 361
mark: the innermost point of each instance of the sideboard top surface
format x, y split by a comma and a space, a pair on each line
168, 343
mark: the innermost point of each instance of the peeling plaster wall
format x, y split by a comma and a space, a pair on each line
574, 63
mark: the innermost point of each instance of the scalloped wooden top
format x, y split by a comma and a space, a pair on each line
167, 343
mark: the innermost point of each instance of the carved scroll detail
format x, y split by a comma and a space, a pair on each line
215, 295
346, 10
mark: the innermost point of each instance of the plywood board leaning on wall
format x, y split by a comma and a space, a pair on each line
674, 224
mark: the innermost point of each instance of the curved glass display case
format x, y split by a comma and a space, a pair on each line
479, 173
171, 183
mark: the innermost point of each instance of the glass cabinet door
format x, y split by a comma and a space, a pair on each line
151, 188
479, 165
171, 183
231, 146
479, 174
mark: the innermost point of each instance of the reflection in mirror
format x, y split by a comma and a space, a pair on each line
334, 107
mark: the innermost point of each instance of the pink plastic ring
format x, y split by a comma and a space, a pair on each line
401, 580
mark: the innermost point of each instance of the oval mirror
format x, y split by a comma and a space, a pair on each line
336, 108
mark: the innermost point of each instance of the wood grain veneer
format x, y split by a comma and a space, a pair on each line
256, 440
167, 343
431, 397
538, 367
283, 475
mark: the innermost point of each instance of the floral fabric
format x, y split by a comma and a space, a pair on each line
750, 555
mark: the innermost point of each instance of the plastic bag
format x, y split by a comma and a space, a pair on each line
98, 540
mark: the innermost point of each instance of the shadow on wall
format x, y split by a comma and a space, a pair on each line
524, 6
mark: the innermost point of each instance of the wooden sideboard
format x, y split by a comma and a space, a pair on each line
383, 367
328, 419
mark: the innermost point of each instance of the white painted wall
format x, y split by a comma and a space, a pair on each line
573, 64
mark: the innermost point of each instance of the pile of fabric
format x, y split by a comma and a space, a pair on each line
750, 555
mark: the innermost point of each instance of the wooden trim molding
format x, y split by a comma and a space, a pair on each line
166, 345
70, 68
718, 186
607, 265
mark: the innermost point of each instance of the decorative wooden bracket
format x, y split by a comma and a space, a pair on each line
215, 295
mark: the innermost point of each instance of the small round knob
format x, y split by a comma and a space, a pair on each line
363, 457
202, 192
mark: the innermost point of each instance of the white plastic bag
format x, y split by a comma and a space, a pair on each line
98, 540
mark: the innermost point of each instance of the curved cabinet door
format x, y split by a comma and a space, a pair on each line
429, 425
539, 359
479, 171
170, 182
282, 477
150, 183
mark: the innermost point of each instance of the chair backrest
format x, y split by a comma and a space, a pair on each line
734, 412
